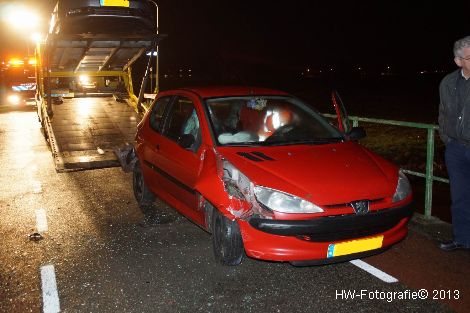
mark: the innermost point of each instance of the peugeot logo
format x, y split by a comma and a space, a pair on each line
360, 207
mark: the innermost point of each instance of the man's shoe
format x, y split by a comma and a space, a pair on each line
452, 245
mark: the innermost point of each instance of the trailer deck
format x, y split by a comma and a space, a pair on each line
83, 132
87, 69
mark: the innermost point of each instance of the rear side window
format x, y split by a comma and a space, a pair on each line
158, 110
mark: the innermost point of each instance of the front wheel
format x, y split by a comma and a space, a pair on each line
142, 193
226, 240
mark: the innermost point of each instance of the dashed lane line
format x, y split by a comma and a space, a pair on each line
50, 294
374, 271
37, 186
41, 221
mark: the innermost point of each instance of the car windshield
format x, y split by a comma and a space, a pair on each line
268, 120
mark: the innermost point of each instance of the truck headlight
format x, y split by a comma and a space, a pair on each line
14, 99
403, 187
283, 202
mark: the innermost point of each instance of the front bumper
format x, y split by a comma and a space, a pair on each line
296, 241
332, 228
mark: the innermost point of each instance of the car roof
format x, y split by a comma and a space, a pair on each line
226, 91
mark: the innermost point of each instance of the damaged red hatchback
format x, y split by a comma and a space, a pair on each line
269, 176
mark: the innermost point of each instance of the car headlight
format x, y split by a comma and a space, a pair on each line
283, 202
403, 187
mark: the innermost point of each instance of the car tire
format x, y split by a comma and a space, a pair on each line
226, 240
142, 193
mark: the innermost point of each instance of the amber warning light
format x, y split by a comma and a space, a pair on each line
15, 62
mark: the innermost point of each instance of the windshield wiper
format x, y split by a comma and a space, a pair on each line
322, 140
243, 144
314, 141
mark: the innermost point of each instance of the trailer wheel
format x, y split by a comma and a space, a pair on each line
226, 240
142, 193
43, 125
44, 131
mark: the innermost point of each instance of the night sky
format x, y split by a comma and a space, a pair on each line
294, 35
289, 34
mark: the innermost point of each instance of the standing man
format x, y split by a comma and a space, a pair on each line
454, 129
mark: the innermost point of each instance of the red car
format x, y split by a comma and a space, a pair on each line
268, 176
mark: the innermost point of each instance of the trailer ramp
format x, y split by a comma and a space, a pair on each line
83, 132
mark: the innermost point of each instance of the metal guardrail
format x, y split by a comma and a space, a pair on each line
429, 174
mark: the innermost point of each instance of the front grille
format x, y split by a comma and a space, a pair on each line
349, 205
335, 227
348, 234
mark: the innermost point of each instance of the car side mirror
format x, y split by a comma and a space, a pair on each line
356, 133
186, 141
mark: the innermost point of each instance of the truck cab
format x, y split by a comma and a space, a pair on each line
18, 81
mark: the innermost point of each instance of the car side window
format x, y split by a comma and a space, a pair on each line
158, 110
183, 124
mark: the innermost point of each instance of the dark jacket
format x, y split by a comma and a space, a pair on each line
454, 123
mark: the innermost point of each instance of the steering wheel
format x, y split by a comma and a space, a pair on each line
280, 132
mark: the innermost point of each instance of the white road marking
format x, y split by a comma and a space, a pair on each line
41, 221
50, 295
37, 186
374, 271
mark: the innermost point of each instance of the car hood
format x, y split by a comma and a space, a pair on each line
324, 174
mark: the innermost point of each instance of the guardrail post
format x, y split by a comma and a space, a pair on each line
429, 173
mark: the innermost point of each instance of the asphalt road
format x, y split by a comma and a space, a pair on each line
107, 256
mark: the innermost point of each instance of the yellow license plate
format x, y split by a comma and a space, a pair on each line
115, 3
354, 246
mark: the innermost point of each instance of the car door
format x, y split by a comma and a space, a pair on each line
151, 138
179, 163
344, 124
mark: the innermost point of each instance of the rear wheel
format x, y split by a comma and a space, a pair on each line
142, 193
226, 240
